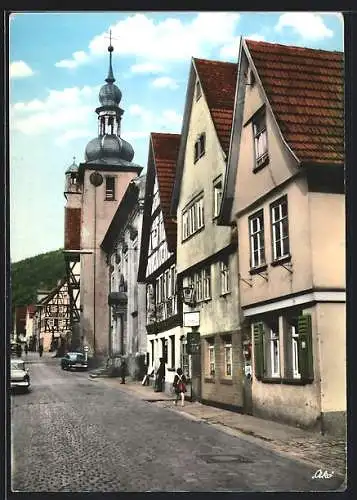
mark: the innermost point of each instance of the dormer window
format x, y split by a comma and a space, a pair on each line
198, 90
260, 140
110, 188
200, 146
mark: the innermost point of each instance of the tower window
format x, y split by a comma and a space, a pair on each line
110, 188
102, 125
111, 125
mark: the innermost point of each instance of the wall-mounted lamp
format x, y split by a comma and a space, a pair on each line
188, 295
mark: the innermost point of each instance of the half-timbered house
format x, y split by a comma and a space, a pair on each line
52, 318
157, 265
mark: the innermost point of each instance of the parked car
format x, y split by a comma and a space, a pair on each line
20, 377
74, 360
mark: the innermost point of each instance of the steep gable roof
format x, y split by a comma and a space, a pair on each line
305, 90
163, 153
218, 82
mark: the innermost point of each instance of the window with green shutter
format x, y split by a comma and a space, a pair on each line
306, 368
258, 333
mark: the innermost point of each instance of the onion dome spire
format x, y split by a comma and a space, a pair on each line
110, 78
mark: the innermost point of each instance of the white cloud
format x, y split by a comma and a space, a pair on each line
146, 121
69, 135
147, 67
164, 82
59, 111
308, 25
167, 39
78, 57
256, 37
230, 50
20, 69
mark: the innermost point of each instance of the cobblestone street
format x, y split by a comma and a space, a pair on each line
74, 434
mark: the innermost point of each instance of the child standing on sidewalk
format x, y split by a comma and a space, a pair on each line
180, 386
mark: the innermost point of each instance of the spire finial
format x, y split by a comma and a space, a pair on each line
110, 78
74, 159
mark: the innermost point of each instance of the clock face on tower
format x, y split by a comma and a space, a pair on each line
96, 179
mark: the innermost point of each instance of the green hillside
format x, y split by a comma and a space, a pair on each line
39, 272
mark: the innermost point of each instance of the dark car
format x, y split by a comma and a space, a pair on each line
74, 361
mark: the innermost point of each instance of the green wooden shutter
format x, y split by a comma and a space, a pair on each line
306, 367
258, 332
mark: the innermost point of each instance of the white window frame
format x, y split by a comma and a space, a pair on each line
295, 352
256, 238
228, 359
192, 218
198, 284
211, 359
224, 276
206, 281
260, 137
274, 351
217, 197
200, 147
277, 226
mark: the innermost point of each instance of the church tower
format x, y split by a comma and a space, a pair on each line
103, 178
72, 245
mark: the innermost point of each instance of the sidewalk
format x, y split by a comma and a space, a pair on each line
323, 452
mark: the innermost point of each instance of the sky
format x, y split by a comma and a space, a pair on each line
58, 62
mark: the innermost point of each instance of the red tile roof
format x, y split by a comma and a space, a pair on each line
305, 90
218, 81
165, 152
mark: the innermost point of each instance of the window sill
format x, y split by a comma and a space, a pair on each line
109, 199
226, 381
257, 270
261, 165
209, 380
171, 369
285, 381
224, 294
282, 260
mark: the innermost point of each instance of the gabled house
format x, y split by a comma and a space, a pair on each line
52, 317
285, 191
157, 265
127, 298
206, 252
